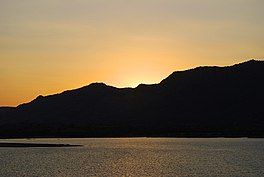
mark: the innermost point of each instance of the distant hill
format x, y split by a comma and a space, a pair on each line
200, 102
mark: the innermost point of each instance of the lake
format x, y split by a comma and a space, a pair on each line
135, 157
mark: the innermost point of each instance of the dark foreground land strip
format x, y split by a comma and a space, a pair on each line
22, 145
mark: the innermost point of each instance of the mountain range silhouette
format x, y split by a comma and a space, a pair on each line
200, 102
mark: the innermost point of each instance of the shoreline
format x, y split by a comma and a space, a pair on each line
24, 145
134, 137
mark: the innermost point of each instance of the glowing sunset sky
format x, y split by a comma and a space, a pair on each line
47, 46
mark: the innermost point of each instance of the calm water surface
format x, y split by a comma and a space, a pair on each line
136, 157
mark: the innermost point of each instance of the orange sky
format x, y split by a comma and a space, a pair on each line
48, 46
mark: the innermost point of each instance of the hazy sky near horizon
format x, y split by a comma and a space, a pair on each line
47, 46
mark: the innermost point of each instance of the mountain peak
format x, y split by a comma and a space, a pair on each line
252, 61
249, 63
97, 84
39, 97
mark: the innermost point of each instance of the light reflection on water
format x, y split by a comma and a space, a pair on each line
136, 157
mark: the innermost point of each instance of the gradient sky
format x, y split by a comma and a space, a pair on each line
47, 46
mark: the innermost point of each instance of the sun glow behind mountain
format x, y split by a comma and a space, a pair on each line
48, 46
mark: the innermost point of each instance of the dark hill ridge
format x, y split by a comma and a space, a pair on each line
200, 102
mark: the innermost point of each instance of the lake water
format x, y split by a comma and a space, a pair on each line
136, 157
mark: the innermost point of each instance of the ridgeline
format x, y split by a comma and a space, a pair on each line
200, 102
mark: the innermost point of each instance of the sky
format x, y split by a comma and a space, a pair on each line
48, 46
